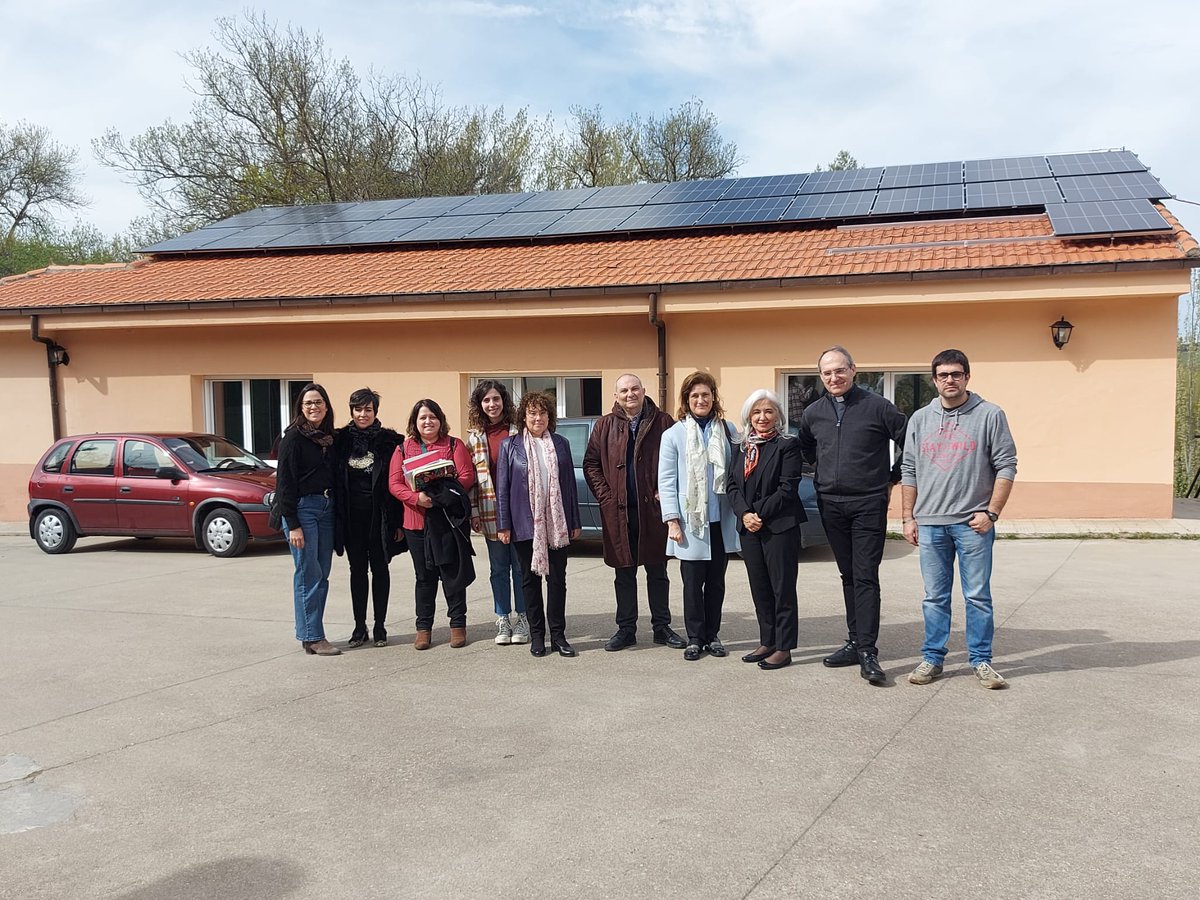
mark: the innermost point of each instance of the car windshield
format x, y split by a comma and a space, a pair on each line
207, 452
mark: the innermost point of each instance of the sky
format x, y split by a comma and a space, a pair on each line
792, 82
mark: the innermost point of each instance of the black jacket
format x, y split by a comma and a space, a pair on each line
773, 489
447, 539
384, 506
303, 468
852, 459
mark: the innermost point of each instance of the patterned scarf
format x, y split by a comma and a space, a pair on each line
697, 457
549, 520
753, 439
315, 434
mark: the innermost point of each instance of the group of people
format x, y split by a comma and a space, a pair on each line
695, 486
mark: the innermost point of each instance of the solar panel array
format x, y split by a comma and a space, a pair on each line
1107, 192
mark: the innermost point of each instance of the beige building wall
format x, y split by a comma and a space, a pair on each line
1094, 423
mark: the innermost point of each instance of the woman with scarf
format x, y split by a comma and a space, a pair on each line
763, 487
367, 515
537, 511
490, 419
304, 488
429, 433
693, 468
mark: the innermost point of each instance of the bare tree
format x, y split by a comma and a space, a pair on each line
843, 162
37, 175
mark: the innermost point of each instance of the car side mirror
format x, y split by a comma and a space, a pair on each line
170, 472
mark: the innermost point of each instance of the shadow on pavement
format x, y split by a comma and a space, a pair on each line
237, 876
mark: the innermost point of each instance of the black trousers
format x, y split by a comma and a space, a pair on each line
704, 589
368, 565
772, 563
856, 529
658, 590
426, 588
555, 614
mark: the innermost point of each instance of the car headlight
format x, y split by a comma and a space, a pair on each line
268, 498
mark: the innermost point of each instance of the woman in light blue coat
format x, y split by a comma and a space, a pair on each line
693, 463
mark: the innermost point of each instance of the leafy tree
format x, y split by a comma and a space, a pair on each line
82, 244
843, 162
37, 175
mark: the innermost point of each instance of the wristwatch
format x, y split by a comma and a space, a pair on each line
991, 515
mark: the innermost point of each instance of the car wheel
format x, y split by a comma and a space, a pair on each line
53, 531
224, 533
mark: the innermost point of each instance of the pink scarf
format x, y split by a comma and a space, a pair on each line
549, 520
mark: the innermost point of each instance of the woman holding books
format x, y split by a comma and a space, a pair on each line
537, 511
440, 455
492, 418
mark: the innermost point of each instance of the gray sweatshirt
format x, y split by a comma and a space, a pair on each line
953, 458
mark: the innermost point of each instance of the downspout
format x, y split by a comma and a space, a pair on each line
662, 350
51, 376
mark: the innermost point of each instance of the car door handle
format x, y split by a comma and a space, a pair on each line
126, 490
68, 490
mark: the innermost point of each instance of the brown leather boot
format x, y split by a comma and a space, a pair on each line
458, 637
423, 640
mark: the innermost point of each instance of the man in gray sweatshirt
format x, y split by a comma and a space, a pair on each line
956, 473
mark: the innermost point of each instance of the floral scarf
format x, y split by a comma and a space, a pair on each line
697, 456
753, 439
545, 502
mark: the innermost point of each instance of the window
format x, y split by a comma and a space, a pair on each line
94, 458
251, 412
575, 395
140, 459
54, 461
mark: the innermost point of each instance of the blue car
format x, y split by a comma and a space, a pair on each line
577, 430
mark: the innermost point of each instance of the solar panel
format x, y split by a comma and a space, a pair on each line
1095, 163
192, 240
491, 203
308, 215
1105, 217
830, 206
930, 198
250, 238
667, 215
848, 180
313, 235
427, 206
446, 228
560, 200
1007, 194
370, 210
384, 231
260, 216
919, 176
1011, 169
582, 221
518, 224
741, 212
622, 195
1121, 186
764, 186
689, 191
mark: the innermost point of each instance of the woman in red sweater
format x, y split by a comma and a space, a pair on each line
428, 432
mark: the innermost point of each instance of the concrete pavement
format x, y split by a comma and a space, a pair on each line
161, 736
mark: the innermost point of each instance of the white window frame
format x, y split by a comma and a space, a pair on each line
518, 381
285, 412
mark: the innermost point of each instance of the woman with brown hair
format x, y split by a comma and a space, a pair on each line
491, 418
693, 466
304, 488
428, 432
537, 510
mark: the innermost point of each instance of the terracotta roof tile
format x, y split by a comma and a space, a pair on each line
1012, 242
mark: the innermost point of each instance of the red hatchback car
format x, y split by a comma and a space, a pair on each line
147, 485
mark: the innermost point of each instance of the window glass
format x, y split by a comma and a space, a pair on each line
54, 461
252, 412
140, 459
576, 434
94, 458
913, 390
806, 388
574, 395
203, 452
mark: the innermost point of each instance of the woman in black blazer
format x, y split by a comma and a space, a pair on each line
763, 489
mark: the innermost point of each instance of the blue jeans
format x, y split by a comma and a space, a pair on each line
939, 544
505, 577
310, 584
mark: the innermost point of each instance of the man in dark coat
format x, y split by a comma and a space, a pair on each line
621, 467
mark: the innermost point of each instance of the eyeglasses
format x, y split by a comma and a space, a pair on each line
313, 404
950, 376
834, 373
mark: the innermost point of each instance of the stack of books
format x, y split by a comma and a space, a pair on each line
425, 468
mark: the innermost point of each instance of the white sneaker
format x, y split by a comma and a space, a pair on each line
520, 630
989, 677
504, 634
924, 673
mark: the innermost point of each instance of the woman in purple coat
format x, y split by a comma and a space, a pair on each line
537, 510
